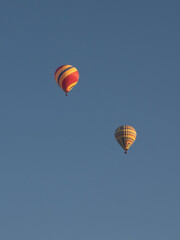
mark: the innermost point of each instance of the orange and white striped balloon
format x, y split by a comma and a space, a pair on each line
125, 136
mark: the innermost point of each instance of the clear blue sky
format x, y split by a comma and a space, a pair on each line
62, 174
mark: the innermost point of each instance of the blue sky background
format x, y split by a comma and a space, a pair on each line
62, 174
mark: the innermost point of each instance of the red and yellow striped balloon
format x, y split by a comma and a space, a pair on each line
66, 77
125, 136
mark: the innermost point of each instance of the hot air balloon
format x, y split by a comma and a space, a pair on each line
66, 77
125, 136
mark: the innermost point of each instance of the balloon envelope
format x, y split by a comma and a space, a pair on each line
66, 77
125, 136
